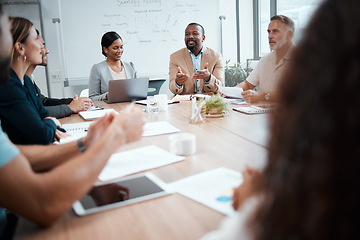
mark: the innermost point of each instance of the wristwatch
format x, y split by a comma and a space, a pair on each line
81, 145
267, 96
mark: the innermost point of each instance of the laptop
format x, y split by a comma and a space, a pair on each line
127, 90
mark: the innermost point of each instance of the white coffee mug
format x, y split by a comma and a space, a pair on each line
163, 102
183, 143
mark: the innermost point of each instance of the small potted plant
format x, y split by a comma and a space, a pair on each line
235, 74
217, 106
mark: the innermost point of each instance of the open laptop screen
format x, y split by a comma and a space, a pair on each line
127, 90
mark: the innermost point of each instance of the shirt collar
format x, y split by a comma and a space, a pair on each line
200, 53
289, 52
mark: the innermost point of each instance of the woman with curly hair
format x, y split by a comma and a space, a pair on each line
310, 186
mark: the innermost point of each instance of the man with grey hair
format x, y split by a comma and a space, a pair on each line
269, 71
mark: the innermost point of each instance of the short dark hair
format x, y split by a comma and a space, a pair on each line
107, 39
197, 24
286, 20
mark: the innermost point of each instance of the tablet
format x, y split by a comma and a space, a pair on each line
128, 190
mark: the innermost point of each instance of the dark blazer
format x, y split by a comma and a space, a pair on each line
22, 113
56, 107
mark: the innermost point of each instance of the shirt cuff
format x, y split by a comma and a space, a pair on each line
207, 82
178, 86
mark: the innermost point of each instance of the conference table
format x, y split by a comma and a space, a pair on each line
232, 142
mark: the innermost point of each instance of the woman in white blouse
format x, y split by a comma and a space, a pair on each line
111, 68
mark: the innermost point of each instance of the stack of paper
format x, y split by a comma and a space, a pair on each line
137, 160
213, 188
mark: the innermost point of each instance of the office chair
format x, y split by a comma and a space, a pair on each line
154, 86
84, 93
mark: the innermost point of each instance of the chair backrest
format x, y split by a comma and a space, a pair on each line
84, 93
154, 86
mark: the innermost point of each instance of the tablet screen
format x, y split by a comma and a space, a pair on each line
120, 193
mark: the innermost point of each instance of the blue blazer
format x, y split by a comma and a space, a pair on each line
22, 113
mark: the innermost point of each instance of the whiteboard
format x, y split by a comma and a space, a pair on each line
151, 30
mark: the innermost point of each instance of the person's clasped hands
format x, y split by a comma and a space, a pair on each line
79, 104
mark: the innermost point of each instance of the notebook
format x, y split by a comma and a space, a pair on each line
127, 90
255, 109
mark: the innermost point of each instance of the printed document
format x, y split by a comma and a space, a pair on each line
213, 188
231, 92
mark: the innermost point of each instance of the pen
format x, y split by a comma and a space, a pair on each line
130, 107
61, 129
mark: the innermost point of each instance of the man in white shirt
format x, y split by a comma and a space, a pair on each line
271, 67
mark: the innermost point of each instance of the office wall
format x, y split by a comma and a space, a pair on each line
57, 39
151, 31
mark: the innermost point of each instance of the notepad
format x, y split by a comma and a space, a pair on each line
75, 130
137, 160
255, 109
91, 115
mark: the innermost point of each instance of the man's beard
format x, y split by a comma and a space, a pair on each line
4, 69
191, 48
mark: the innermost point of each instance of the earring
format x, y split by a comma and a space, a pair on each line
24, 58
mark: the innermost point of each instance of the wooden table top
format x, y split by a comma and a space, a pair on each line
230, 142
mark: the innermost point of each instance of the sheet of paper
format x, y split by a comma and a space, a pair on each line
143, 102
232, 92
212, 188
181, 97
158, 128
236, 101
137, 160
91, 115
75, 130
